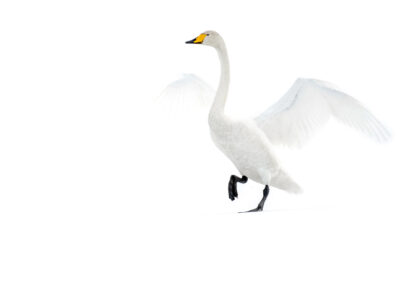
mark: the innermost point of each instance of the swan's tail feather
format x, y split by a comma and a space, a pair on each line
283, 181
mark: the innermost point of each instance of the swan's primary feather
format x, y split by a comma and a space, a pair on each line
307, 106
190, 91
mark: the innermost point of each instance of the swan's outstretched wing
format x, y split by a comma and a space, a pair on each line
190, 91
307, 106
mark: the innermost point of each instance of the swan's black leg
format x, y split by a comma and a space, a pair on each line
261, 204
232, 188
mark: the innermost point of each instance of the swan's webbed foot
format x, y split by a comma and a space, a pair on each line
260, 205
257, 209
232, 186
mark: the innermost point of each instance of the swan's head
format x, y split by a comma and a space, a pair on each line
207, 38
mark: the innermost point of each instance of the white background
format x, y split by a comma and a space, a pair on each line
98, 185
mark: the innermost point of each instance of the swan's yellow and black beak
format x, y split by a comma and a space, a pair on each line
197, 40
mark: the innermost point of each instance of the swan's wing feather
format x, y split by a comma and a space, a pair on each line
190, 91
307, 107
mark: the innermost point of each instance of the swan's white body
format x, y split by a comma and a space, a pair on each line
250, 151
303, 110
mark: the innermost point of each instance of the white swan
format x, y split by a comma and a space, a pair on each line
303, 110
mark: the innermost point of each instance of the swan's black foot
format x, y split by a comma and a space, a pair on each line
258, 209
260, 206
232, 186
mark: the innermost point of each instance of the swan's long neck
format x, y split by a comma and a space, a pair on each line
218, 105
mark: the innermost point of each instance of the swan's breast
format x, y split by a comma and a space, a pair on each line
244, 144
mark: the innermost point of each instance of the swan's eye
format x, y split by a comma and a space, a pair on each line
207, 34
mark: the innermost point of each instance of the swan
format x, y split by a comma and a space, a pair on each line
293, 120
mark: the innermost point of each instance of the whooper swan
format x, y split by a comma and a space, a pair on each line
303, 110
